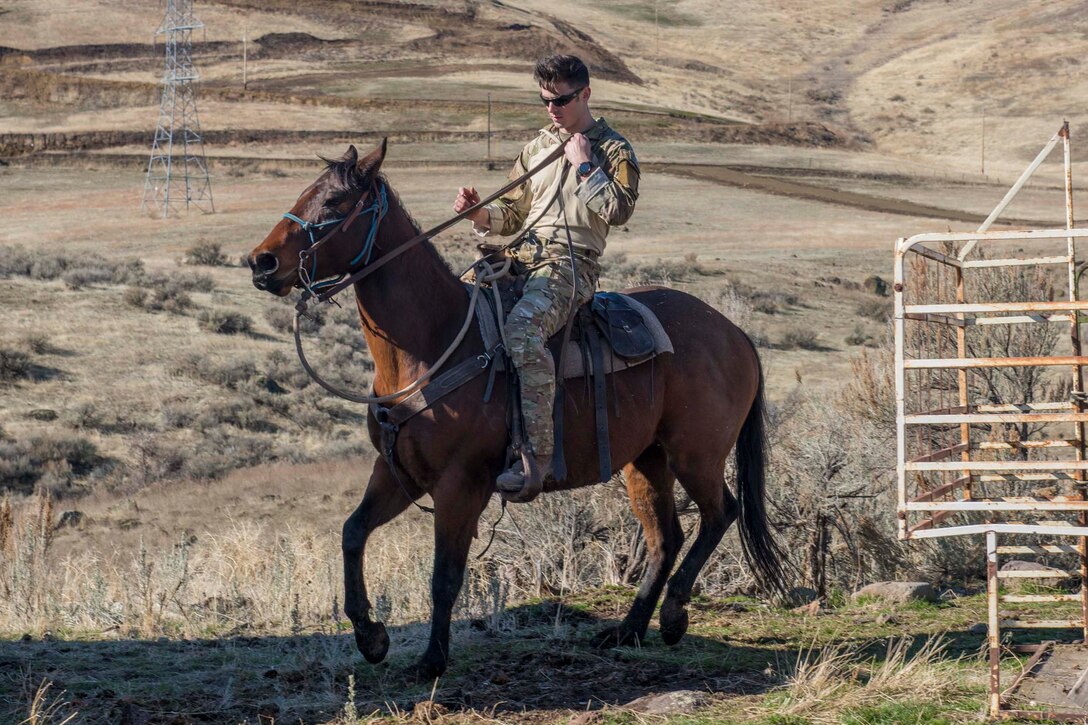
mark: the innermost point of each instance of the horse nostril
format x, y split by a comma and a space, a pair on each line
265, 263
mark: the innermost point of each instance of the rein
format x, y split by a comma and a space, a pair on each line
369, 269
485, 272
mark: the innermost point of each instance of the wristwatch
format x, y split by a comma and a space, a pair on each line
584, 169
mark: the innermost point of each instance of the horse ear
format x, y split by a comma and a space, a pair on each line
351, 156
372, 162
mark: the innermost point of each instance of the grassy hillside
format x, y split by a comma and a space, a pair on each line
911, 79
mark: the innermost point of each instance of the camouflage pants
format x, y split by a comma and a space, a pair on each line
541, 312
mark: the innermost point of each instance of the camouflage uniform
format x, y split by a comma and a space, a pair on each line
603, 199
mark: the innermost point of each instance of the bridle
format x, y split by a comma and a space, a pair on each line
308, 256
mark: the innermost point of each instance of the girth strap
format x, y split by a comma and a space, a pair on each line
600, 405
387, 432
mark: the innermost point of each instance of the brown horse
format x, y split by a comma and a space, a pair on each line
677, 419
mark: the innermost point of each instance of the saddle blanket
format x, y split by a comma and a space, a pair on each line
575, 362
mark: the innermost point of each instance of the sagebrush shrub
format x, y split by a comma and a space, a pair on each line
207, 253
169, 298
224, 322
37, 343
78, 452
14, 365
61, 458
628, 273
135, 296
85, 416
47, 268
282, 319
237, 412
286, 370
195, 282
231, 373
800, 337
15, 260
81, 277
879, 309
858, 337
222, 450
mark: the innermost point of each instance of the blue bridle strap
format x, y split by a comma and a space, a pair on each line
378, 208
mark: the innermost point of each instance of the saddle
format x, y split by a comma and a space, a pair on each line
611, 332
630, 331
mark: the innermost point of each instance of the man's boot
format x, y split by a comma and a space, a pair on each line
518, 486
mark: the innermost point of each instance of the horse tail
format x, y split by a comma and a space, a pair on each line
760, 549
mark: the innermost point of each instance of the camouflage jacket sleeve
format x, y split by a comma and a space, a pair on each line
508, 212
612, 189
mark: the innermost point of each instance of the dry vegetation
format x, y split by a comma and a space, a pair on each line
175, 483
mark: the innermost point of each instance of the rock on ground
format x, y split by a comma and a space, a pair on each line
668, 703
1017, 584
898, 591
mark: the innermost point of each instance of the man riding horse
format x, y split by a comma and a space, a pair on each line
558, 212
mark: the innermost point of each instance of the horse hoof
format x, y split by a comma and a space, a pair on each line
424, 671
372, 640
618, 636
674, 621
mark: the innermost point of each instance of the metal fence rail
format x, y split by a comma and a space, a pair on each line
966, 453
991, 409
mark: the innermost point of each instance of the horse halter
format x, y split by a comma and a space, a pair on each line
308, 256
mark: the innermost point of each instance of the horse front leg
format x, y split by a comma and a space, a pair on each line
458, 503
383, 501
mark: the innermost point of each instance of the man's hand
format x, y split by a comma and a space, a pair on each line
578, 150
468, 197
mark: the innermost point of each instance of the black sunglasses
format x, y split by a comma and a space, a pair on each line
561, 101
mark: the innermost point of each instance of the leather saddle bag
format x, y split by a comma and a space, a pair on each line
622, 326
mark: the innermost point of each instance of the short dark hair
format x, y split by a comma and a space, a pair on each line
559, 68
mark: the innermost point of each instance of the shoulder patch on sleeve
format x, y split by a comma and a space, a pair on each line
624, 171
619, 150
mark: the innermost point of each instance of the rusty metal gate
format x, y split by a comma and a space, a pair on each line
991, 410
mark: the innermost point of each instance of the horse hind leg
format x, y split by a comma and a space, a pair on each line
383, 501
650, 489
717, 511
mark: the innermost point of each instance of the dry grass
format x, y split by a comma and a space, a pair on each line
70, 367
49, 709
825, 682
238, 611
243, 574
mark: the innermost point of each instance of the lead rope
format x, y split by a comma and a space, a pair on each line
494, 527
484, 275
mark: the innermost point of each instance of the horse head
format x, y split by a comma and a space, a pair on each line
329, 232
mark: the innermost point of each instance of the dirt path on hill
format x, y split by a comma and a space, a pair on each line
727, 176
716, 174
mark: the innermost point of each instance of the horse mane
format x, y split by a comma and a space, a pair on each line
346, 178
344, 174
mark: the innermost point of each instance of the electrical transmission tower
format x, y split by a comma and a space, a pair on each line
177, 172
